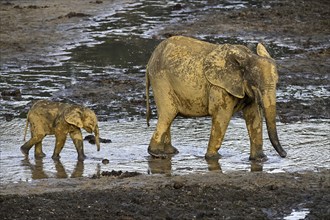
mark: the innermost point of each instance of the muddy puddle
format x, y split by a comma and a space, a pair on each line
306, 143
105, 70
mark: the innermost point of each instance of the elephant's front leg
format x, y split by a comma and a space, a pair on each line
218, 130
253, 118
77, 139
38, 153
221, 107
59, 144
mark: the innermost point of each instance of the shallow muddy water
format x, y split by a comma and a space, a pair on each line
306, 144
110, 57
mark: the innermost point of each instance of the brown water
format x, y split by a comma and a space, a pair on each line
116, 47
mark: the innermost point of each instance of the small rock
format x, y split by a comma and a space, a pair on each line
74, 14
105, 161
91, 139
177, 7
178, 185
11, 92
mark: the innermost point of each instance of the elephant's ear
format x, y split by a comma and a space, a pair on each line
223, 67
261, 51
73, 116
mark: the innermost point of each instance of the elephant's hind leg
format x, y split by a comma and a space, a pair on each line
160, 143
169, 149
25, 148
35, 139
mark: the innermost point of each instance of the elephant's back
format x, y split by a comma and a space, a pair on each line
192, 45
180, 46
179, 53
46, 110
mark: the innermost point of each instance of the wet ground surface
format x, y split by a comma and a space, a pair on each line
99, 60
209, 196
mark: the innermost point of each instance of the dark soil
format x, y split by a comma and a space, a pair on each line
210, 196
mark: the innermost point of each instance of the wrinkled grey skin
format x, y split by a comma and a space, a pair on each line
194, 78
59, 119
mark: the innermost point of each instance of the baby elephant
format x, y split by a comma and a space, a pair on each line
60, 119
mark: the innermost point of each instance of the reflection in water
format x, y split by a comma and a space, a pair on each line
60, 170
78, 170
37, 170
156, 166
256, 166
160, 165
164, 165
213, 164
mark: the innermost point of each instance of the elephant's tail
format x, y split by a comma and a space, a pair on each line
148, 112
26, 127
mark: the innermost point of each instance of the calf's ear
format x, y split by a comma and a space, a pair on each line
73, 116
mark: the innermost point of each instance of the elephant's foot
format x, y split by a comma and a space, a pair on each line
25, 151
259, 157
39, 155
169, 149
81, 157
162, 151
212, 156
157, 153
56, 157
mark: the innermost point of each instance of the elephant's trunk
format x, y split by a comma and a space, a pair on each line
97, 137
269, 106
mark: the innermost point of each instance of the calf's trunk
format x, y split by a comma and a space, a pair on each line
97, 138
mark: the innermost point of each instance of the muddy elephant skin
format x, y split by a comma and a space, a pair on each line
194, 78
59, 119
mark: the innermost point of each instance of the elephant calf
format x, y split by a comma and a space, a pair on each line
59, 119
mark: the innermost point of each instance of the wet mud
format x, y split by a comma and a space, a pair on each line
209, 196
297, 35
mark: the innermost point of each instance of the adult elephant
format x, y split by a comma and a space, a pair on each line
59, 119
196, 78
